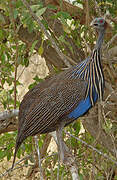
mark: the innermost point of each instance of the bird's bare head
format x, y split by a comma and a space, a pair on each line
99, 23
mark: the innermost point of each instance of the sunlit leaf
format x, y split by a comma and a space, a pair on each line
35, 7
41, 11
33, 46
40, 51
65, 15
15, 13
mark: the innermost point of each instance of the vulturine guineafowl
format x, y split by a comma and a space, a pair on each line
61, 99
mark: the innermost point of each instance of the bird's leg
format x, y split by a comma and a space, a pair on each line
39, 158
60, 142
62, 147
66, 155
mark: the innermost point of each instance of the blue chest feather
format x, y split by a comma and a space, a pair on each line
82, 107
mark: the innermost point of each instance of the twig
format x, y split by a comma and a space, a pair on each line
69, 158
58, 170
16, 52
39, 158
97, 8
94, 149
9, 114
37, 19
111, 90
27, 157
87, 12
110, 42
83, 142
10, 169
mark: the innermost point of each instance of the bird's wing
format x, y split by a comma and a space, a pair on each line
53, 103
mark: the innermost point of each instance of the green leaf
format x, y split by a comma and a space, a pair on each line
8, 155
2, 19
1, 33
52, 7
26, 162
62, 39
32, 85
33, 46
31, 158
37, 79
81, 176
45, 23
35, 7
40, 51
41, 11
30, 25
77, 127
65, 15
26, 62
73, 142
15, 13
19, 153
18, 3
3, 58
2, 154
40, 143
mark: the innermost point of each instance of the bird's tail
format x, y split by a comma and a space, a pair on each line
16, 149
19, 141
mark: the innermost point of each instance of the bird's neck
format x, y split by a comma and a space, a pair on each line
100, 39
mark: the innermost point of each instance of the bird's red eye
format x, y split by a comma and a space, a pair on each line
101, 21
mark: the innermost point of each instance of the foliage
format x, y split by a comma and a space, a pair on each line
14, 53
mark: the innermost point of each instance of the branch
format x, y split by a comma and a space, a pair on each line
75, 11
37, 19
111, 91
114, 38
93, 148
12, 7
92, 125
69, 158
55, 26
23, 159
8, 121
9, 114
